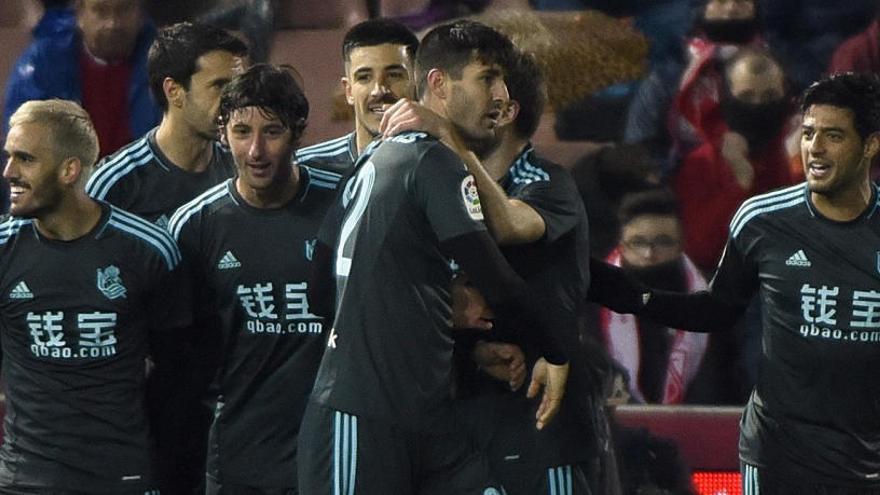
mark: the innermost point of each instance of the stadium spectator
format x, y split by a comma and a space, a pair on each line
670, 107
860, 53
750, 158
661, 362
805, 33
96, 54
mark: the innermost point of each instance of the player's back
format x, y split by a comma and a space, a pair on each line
389, 354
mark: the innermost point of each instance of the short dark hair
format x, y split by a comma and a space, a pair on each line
659, 202
859, 93
176, 49
449, 47
525, 84
273, 90
378, 32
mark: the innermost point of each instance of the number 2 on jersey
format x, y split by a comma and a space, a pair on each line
360, 196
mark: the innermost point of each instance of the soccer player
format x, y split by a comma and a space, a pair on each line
810, 252
86, 287
188, 66
250, 241
378, 56
381, 419
536, 215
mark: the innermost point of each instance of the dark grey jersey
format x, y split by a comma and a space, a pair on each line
556, 265
139, 178
336, 156
815, 411
389, 354
252, 265
75, 322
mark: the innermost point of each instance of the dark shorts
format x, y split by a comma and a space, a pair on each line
761, 481
52, 491
213, 487
560, 480
341, 454
505, 432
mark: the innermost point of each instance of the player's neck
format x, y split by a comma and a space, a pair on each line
75, 216
183, 147
363, 137
500, 159
845, 205
276, 195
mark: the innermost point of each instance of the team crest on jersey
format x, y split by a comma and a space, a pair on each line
310, 248
471, 197
110, 283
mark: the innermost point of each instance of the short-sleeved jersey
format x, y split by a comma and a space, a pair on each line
140, 179
254, 266
336, 156
815, 411
75, 322
389, 355
556, 265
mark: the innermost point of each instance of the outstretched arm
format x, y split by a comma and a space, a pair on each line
696, 312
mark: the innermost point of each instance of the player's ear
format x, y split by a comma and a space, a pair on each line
174, 92
70, 170
223, 139
872, 146
509, 113
437, 83
346, 87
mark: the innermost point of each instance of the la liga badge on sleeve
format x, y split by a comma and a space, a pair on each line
471, 198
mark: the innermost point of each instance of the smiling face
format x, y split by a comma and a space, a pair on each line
376, 77
475, 101
201, 102
833, 153
262, 147
32, 171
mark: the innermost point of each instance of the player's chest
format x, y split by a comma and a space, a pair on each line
265, 260
71, 307
829, 286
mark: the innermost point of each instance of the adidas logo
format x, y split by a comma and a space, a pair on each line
21, 291
228, 261
798, 259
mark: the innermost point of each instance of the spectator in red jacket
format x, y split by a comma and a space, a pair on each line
860, 53
750, 158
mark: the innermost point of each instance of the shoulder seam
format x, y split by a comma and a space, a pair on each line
159, 239
106, 176
765, 203
187, 210
331, 144
11, 227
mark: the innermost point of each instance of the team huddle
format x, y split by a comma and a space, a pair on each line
216, 310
